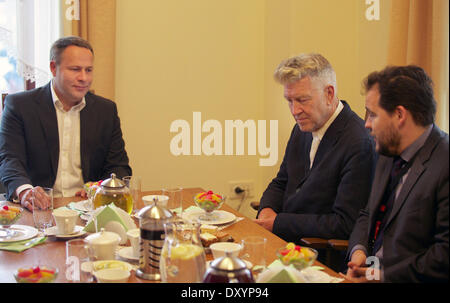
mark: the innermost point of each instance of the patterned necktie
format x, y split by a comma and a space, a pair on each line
398, 170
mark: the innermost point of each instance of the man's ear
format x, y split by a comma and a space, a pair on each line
329, 92
53, 68
401, 114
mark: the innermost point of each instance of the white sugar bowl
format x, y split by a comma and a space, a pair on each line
104, 244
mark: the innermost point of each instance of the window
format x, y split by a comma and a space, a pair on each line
27, 30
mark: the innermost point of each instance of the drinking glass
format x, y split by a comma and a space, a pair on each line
134, 185
42, 200
78, 268
254, 250
175, 199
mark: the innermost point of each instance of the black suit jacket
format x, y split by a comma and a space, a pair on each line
324, 201
29, 140
415, 241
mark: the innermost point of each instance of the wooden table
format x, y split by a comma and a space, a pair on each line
53, 250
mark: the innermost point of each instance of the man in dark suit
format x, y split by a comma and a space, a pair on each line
324, 179
60, 135
403, 232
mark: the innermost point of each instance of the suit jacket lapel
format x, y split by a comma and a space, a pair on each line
47, 115
415, 172
305, 156
85, 127
332, 135
330, 138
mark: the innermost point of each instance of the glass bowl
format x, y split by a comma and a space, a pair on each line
36, 274
209, 202
301, 259
91, 188
8, 216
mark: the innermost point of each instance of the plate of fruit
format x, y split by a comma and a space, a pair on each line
300, 257
36, 274
209, 202
8, 216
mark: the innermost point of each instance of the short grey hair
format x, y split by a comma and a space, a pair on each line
306, 65
61, 44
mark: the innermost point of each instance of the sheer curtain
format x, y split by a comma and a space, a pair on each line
28, 28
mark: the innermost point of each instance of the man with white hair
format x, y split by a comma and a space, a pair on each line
325, 177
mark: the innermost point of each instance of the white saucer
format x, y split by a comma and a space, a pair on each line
222, 217
24, 232
127, 253
53, 231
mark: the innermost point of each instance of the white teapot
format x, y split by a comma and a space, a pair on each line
103, 244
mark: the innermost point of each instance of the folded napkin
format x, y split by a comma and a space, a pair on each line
81, 206
111, 218
20, 246
192, 208
276, 272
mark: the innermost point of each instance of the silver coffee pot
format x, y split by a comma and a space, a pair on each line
151, 224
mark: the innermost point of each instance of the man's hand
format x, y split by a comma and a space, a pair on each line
357, 268
266, 218
81, 193
25, 198
37, 194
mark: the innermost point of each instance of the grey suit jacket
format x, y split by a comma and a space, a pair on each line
29, 140
415, 242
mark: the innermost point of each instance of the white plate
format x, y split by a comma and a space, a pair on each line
222, 217
25, 232
87, 266
127, 253
53, 231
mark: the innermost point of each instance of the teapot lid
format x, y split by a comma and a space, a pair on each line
103, 237
154, 211
228, 263
113, 182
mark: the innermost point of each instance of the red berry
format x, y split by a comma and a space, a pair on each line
210, 192
36, 269
297, 247
5, 207
284, 252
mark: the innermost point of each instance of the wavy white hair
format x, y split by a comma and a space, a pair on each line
306, 65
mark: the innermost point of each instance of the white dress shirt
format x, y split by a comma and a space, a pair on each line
69, 178
318, 135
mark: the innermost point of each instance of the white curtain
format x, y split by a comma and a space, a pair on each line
28, 28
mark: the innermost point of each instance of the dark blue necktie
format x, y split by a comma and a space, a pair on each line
399, 168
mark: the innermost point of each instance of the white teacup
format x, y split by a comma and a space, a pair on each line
160, 200
103, 244
134, 235
66, 220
